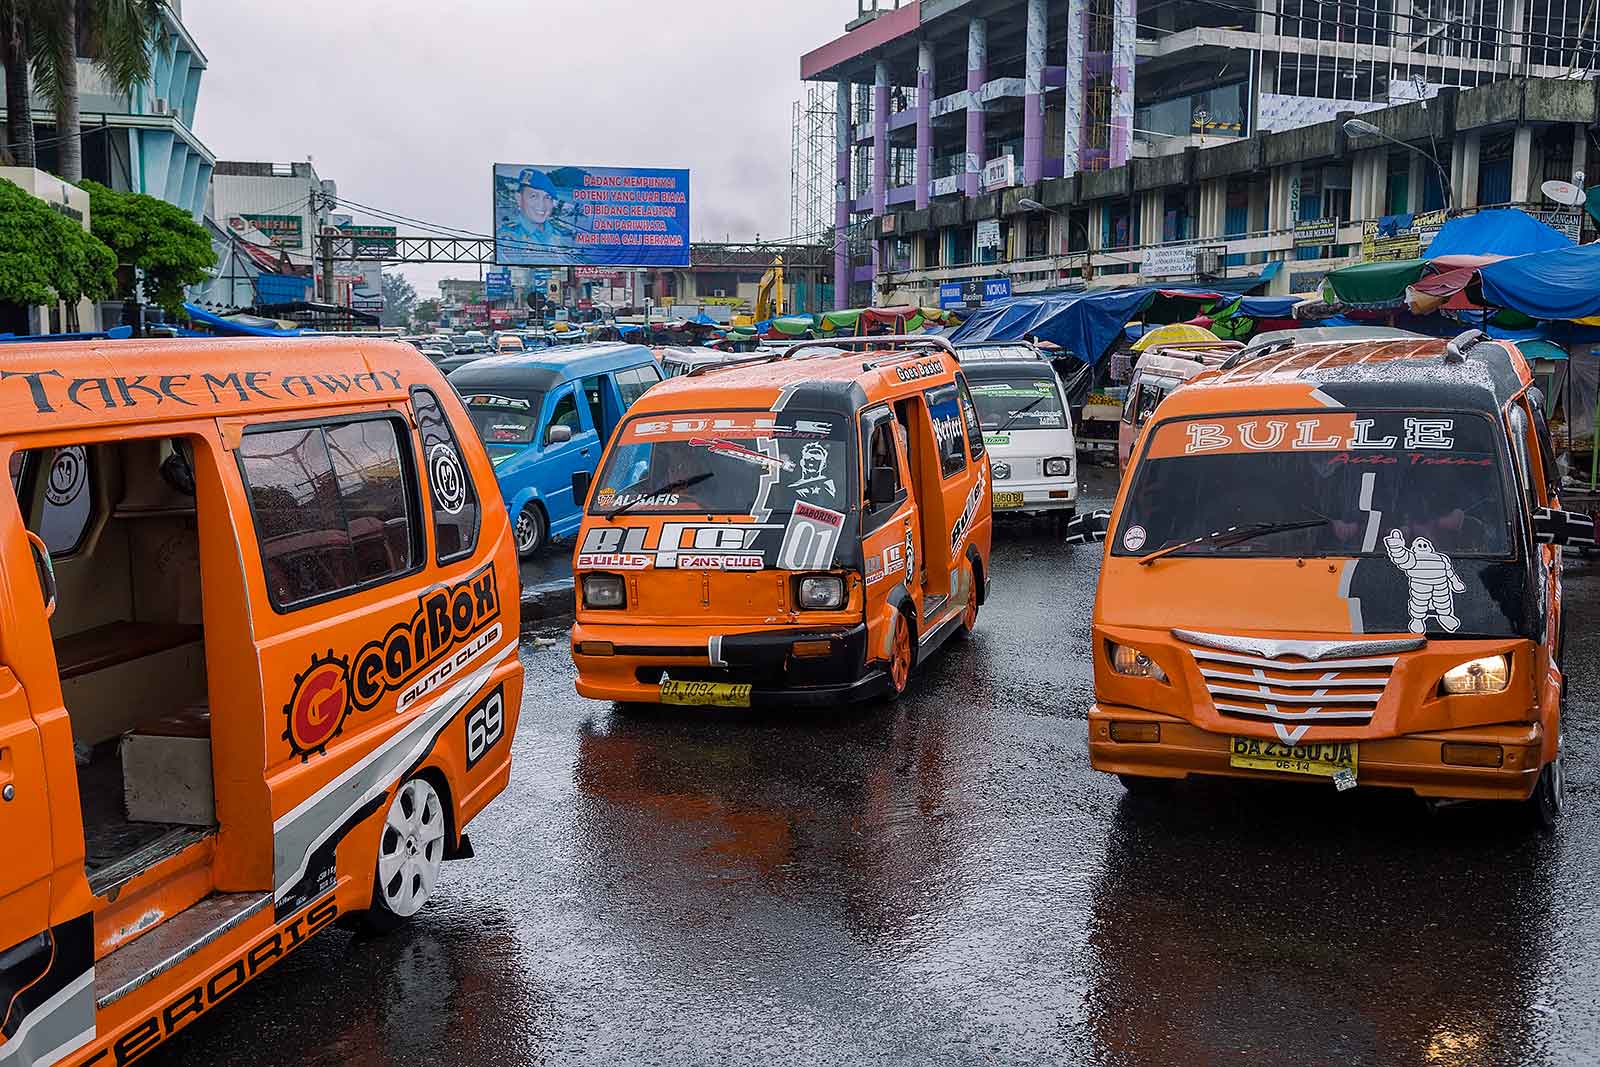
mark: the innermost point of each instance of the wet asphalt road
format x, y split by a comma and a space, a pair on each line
944, 880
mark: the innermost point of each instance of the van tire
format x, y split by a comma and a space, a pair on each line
1549, 800
902, 655
530, 531
411, 850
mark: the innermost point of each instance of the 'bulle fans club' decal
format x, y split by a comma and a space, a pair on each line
684, 545
451, 626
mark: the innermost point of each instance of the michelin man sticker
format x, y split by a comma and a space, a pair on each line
1133, 538
1433, 580
814, 480
448, 480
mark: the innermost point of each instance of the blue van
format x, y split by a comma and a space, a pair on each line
545, 418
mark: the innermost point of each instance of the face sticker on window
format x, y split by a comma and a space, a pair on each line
814, 480
69, 473
448, 480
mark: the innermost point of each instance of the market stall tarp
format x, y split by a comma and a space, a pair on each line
1085, 324
1561, 284
1380, 284
1497, 232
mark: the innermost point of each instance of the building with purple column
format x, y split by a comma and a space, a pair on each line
1187, 140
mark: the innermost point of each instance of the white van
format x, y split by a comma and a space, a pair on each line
1026, 428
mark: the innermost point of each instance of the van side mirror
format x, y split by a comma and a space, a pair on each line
1089, 529
558, 434
883, 485
1552, 526
580, 487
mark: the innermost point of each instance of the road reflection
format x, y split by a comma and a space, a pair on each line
1283, 926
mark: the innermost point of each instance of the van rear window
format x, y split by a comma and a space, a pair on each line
333, 507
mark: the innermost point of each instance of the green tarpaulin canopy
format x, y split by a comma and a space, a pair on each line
1380, 284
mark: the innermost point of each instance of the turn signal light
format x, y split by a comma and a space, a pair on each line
812, 649
1135, 664
1463, 754
1144, 733
596, 648
1490, 674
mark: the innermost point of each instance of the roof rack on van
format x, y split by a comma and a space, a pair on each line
842, 343
1247, 353
1456, 351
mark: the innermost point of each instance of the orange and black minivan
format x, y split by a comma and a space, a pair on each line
1340, 561
798, 528
258, 622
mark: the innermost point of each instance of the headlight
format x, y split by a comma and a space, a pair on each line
603, 591
1057, 468
1491, 674
821, 594
1135, 664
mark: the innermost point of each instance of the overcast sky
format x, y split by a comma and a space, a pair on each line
407, 104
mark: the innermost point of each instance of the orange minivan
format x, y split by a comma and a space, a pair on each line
1340, 561
258, 626
799, 528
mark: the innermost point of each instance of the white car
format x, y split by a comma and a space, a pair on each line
1026, 428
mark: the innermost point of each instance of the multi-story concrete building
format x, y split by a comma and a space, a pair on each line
1050, 141
142, 141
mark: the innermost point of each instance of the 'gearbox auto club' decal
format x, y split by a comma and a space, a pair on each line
696, 546
451, 626
958, 532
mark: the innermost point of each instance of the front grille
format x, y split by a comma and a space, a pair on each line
1336, 683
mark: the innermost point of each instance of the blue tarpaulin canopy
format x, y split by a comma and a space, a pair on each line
1085, 324
1498, 232
1562, 284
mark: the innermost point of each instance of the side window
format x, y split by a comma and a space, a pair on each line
66, 495
594, 396
1518, 419
969, 412
879, 430
1547, 452
455, 500
944, 408
1130, 402
1150, 396
334, 507
632, 383
565, 413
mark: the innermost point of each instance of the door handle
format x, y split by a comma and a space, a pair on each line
7, 776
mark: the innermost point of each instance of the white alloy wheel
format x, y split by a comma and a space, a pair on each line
411, 851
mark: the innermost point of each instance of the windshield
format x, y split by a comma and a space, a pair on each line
757, 461
1025, 402
1375, 480
505, 416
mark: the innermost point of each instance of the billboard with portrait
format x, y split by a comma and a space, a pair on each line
593, 216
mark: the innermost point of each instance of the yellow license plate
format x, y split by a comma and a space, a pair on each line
705, 694
1326, 758
1008, 500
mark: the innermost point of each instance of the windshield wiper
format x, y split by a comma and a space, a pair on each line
1233, 535
1017, 414
671, 487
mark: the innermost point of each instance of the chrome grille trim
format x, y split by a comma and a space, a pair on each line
1357, 718
1325, 682
1311, 650
1266, 696
1368, 664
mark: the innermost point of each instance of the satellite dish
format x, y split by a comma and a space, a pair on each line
1563, 192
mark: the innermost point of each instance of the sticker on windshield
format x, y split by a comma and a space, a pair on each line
810, 539
997, 440
1342, 432
814, 480
1432, 579
740, 453
1133, 538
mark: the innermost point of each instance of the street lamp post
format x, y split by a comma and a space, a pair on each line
1363, 128
1029, 205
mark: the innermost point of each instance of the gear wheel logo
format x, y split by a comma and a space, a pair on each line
317, 710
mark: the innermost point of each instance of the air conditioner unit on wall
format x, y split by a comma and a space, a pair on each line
1208, 262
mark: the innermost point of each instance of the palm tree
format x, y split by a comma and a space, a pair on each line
118, 36
14, 64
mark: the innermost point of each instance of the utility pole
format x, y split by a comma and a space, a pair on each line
325, 243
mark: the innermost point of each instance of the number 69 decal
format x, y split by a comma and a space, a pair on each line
486, 724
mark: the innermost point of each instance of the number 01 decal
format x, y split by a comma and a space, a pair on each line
486, 724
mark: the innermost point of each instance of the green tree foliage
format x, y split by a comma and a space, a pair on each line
153, 236
399, 298
426, 310
45, 256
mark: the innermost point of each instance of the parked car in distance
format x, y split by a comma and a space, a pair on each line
545, 418
1027, 428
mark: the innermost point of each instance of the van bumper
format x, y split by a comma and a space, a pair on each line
1412, 761
1040, 495
763, 660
